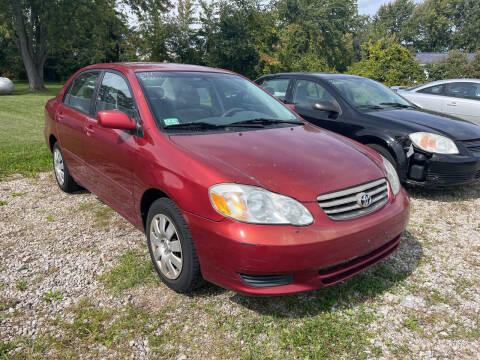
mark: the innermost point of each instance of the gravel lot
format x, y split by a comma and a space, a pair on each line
423, 302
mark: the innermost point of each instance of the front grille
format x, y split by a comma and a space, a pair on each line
472, 145
344, 204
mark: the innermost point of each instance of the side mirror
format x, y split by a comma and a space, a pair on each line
116, 119
328, 106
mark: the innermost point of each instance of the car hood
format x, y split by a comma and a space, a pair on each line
425, 120
300, 161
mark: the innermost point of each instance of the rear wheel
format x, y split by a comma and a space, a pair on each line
64, 179
171, 247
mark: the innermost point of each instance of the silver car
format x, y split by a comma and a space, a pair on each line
457, 97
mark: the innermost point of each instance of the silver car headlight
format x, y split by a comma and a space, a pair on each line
392, 176
252, 204
433, 143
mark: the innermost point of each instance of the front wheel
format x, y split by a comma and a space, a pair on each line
171, 247
64, 179
385, 153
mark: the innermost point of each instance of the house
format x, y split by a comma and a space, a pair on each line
432, 57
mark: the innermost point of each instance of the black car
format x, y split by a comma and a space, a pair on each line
426, 148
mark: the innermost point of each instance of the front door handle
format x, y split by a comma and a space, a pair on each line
89, 130
453, 103
59, 117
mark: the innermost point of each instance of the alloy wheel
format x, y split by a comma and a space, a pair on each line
166, 246
59, 166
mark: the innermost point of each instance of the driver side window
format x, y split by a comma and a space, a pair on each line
307, 93
114, 94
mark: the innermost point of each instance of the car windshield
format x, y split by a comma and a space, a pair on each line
204, 100
364, 93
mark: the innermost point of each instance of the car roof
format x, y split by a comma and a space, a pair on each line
325, 76
155, 66
446, 81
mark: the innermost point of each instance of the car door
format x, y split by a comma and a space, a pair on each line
430, 98
110, 153
464, 100
305, 93
72, 117
277, 86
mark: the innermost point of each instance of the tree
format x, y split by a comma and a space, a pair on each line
33, 24
391, 19
231, 33
328, 25
467, 25
294, 52
454, 66
391, 65
89, 32
30, 19
432, 25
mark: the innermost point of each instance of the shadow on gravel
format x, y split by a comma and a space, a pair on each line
460, 193
348, 294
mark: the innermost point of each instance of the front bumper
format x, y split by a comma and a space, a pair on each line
443, 170
232, 253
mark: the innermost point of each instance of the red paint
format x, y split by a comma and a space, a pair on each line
301, 162
115, 119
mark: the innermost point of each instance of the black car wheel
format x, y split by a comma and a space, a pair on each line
385, 153
64, 179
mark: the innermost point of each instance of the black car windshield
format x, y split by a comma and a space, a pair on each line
364, 93
202, 101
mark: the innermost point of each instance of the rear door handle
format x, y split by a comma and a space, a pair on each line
453, 103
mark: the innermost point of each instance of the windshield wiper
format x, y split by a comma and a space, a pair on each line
366, 106
395, 104
202, 125
266, 121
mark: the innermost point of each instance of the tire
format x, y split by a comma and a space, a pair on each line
172, 249
385, 153
60, 169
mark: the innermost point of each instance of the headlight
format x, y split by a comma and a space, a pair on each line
433, 143
391, 176
253, 204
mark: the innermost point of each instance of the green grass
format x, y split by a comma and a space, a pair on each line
16, 194
22, 285
22, 144
133, 269
102, 214
51, 296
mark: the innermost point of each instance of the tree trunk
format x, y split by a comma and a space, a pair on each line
33, 62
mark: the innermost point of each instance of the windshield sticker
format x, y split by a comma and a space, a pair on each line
171, 121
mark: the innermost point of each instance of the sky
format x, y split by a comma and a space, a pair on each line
370, 7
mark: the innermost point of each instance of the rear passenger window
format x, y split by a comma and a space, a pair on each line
80, 94
433, 90
114, 94
277, 87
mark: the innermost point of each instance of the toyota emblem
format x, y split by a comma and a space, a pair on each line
364, 200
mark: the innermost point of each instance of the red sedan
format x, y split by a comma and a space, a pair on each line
229, 185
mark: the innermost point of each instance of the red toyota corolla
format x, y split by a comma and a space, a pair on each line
228, 184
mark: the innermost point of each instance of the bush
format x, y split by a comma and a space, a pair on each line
455, 66
391, 65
